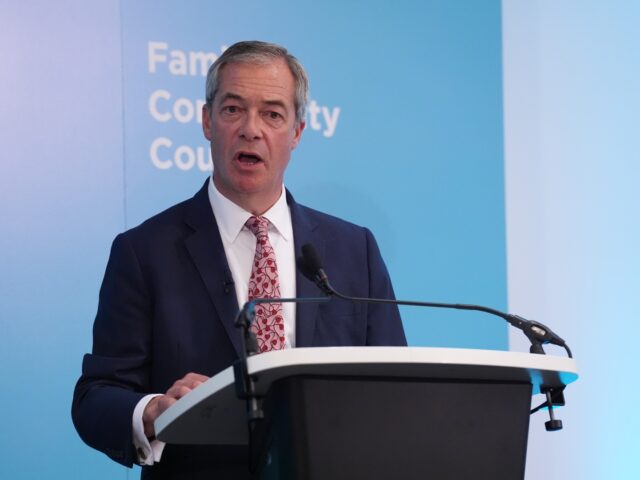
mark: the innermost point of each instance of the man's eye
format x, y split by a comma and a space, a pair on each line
230, 109
274, 115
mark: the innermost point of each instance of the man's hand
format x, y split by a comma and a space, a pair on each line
159, 404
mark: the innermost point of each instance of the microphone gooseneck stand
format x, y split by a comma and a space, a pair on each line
537, 333
310, 266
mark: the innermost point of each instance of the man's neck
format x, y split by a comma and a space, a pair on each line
252, 203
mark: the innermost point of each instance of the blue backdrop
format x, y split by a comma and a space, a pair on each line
404, 135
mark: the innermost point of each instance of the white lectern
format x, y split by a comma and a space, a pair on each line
376, 412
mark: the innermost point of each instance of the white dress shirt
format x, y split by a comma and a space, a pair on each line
239, 247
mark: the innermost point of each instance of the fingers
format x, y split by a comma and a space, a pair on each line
187, 383
163, 402
159, 404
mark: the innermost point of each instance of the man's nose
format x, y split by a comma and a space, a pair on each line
250, 128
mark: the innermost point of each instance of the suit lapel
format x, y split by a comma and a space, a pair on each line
206, 250
306, 313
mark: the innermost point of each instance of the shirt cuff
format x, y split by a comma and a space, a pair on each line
148, 452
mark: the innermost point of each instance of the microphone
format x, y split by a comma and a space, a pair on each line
537, 333
311, 267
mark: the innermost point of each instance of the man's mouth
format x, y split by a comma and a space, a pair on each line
248, 158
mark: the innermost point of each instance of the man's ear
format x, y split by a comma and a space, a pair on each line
297, 133
207, 123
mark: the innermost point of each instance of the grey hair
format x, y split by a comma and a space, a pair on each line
260, 53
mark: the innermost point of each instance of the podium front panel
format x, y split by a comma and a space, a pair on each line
346, 428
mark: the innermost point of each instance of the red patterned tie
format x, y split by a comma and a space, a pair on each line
268, 325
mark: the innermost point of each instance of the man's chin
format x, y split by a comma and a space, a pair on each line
251, 193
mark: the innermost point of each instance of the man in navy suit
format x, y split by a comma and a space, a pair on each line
173, 284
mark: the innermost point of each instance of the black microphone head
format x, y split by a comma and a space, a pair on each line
311, 267
309, 263
311, 258
304, 269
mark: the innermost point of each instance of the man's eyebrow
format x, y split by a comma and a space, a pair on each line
231, 96
240, 98
276, 103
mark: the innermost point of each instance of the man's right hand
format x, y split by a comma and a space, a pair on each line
160, 403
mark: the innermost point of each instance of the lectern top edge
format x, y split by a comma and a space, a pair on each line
412, 355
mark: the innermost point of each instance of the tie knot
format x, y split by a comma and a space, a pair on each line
259, 226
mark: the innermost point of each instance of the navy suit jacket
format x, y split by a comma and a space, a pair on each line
167, 306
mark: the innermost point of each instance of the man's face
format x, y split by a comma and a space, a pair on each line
252, 129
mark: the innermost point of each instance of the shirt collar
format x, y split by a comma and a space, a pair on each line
231, 217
